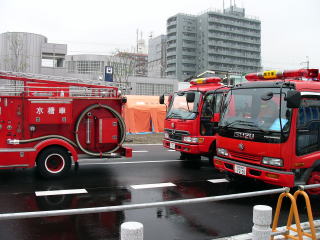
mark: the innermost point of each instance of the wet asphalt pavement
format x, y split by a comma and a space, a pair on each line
123, 181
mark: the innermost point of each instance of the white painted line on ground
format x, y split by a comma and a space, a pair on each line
60, 192
133, 162
142, 151
222, 180
156, 185
171, 150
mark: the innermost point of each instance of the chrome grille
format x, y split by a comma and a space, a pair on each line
176, 134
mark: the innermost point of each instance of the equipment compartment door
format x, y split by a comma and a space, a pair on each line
108, 130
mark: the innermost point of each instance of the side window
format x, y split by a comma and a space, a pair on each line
308, 127
210, 107
218, 103
207, 110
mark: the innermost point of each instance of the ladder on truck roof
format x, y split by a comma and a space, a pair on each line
38, 85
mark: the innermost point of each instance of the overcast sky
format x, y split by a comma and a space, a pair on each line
290, 29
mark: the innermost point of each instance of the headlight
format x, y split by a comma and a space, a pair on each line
273, 161
222, 151
193, 140
166, 135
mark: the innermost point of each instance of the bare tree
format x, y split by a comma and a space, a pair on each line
16, 60
123, 66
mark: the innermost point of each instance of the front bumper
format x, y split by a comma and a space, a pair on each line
271, 176
182, 147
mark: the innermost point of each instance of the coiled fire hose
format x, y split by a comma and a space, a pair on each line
78, 144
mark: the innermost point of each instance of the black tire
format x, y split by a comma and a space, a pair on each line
210, 160
244, 183
235, 178
190, 157
191, 161
182, 156
53, 162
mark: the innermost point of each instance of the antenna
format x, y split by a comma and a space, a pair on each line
137, 40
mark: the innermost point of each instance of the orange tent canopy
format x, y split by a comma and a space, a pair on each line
144, 114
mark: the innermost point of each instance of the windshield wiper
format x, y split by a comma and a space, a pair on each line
236, 122
247, 123
171, 115
253, 124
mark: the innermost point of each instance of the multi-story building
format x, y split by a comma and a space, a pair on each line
157, 56
227, 41
29, 52
89, 66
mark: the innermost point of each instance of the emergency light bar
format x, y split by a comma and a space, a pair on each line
205, 80
274, 74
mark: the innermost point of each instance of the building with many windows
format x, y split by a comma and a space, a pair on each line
93, 66
157, 56
227, 41
89, 66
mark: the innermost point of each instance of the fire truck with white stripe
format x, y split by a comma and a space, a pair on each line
50, 122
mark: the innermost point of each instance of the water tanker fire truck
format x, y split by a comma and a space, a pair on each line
192, 118
49, 122
270, 128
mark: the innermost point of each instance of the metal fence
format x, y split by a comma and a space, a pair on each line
7, 216
132, 230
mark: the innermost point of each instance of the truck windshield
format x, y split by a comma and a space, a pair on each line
256, 109
180, 109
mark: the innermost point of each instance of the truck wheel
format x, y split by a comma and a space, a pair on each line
210, 160
211, 154
53, 162
191, 161
183, 156
314, 179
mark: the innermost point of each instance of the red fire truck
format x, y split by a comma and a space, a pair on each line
47, 122
270, 128
192, 118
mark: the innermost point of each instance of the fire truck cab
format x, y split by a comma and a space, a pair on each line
48, 122
270, 128
192, 118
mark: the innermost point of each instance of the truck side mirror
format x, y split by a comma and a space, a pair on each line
216, 117
190, 97
124, 100
161, 99
293, 99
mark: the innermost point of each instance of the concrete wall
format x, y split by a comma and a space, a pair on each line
27, 52
21, 52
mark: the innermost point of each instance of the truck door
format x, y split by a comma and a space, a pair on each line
308, 128
211, 105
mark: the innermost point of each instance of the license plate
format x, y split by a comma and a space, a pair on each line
172, 145
240, 169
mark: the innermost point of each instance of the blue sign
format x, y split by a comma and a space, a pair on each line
108, 74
